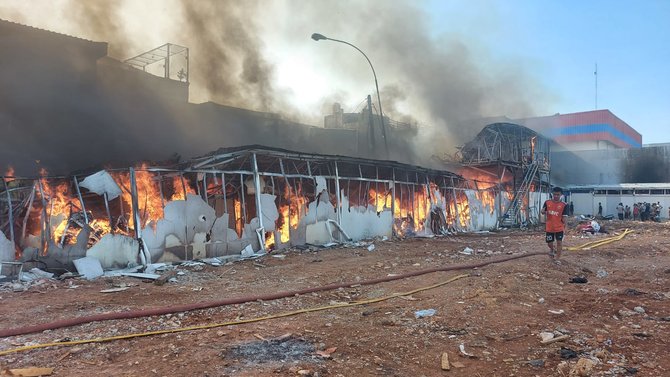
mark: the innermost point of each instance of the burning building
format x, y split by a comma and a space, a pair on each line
88, 119
232, 201
514, 160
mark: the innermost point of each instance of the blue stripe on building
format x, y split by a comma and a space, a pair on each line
593, 128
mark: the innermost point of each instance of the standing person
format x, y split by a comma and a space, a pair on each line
556, 212
619, 211
571, 209
636, 212
600, 209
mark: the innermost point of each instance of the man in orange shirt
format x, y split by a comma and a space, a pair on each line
556, 212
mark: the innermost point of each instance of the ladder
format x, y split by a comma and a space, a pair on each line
511, 216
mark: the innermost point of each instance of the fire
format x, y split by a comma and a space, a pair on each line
63, 209
380, 200
269, 240
532, 147
9, 175
148, 195
179, 193
488, 199
239, 221
459, 209
421, 207
58, 205
411, 208
290, 213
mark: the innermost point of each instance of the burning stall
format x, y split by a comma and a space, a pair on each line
233, 201
516, 160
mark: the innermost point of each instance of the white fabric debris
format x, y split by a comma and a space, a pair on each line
101, 183
6, 249
115, 251
88, 267
270, 212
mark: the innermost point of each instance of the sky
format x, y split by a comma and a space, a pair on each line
438, 63
562, 41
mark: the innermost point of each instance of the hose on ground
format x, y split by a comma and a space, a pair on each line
597, 243
239, 322
243, 299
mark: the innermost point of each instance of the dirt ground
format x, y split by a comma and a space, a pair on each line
615, 324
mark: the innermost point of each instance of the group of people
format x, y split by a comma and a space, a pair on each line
556, 211
641, 211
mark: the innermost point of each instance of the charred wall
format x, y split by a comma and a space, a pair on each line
647, 165
611, 166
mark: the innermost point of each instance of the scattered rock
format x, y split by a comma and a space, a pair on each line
546, 336
444, 362
567, 353
583, 368
579, 280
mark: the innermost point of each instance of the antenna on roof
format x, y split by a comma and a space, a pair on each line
595, 73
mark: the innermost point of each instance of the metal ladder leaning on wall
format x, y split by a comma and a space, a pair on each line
511, 216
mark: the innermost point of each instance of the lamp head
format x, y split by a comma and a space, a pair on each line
317, 37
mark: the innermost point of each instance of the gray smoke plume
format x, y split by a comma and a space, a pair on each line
438, 81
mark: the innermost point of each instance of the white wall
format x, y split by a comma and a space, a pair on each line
587, 203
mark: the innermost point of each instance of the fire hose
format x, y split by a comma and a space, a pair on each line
244, 299
597, 243
238, 322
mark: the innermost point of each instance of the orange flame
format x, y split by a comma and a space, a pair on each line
412, 211
291, 213
239, 221
488, 199
179, 193
9, 175
61, 203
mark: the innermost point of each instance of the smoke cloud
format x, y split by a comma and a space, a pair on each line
238, 51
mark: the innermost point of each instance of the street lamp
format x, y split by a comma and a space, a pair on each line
317, 37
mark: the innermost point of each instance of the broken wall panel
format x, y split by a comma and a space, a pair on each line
234, 199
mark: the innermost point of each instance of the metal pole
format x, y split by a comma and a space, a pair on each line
145, 257
456, 217
204, 186
10, 209
379, 100
167, 62
187, 64
109, 214
371, 129
160, 190
225, 199
259, 211
44, 234
25, 219
81, 200
337, 188
393, 195
243, 208
183, 184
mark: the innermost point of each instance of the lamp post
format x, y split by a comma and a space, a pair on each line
317, 37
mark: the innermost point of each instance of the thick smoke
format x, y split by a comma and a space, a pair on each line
647, 165
444, 81
438, 81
